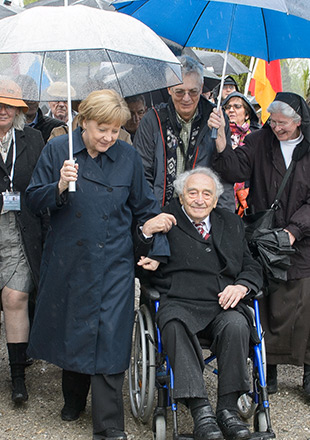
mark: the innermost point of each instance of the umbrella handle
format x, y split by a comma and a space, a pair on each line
72, 187
214, 133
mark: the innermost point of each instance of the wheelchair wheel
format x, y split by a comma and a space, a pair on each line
246, 406
160, 428
142, 366
260, 421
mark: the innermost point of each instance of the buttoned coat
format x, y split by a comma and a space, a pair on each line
29, 144
85, 308
188, 286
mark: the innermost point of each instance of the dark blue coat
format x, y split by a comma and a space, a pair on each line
85, 308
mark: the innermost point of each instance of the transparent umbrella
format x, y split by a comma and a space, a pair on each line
6, 9
215, 60
89, 49
99, 4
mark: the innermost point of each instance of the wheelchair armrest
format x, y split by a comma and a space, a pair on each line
259, 295
150, 293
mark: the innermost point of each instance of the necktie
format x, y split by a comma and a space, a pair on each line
200, 229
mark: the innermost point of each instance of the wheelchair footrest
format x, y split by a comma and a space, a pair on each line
263, 435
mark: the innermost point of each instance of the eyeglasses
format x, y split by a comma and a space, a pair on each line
235, 106
6, 106
281, 124
179, 93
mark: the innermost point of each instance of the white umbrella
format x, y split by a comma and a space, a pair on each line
7, 9
102, 45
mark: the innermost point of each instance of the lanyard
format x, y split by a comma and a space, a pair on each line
11, 176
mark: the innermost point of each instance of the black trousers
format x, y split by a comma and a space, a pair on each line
229, 335
107, 398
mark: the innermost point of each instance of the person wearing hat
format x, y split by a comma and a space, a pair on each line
20, 230
58, 102
242, 121
230, 86
263, 160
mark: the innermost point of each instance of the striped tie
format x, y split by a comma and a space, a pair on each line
200, 229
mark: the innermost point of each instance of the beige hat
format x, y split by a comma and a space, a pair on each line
11, 94
58, 91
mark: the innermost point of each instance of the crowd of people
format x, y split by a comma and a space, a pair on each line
155, 192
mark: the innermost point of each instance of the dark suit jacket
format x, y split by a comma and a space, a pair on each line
188, 284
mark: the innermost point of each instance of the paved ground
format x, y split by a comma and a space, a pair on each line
40, 418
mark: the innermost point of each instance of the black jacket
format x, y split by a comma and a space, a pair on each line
29, 144
46, 124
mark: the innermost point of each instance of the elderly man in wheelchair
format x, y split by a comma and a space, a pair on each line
204, 288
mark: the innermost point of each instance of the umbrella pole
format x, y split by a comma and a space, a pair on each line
72, 186
232, 19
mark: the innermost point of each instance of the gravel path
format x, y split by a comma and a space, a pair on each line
40, 418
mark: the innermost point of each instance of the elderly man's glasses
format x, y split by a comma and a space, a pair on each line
193, 93
281, 124
6, 107
235, 106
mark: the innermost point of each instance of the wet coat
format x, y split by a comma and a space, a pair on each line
199, 269
85, 308
29, 144
149, 143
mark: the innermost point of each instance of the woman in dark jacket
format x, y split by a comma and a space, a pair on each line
264, 160
85, 308
242, 121
20, 239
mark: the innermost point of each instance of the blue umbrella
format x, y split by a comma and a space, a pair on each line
267, 29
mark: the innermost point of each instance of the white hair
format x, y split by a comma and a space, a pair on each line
19, 120
180, 181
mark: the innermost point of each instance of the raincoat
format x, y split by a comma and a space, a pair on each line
85, 308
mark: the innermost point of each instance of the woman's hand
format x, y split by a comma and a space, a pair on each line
217, 120
68, 173
148, 263
161, 223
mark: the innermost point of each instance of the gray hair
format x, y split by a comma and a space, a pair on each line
180, 181
189, 66
19, 120
285, 109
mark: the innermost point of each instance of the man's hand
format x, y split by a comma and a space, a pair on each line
148, 263
161, 223
231, 295
217, 120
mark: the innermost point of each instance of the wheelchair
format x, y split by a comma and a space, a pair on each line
150, 373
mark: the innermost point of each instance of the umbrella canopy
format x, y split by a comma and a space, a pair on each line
6, 10
267, 29
215, 60
99, 4
106, 50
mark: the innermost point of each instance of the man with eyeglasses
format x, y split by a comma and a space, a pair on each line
176, 136
263, 160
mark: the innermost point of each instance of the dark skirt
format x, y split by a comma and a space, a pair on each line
285, 316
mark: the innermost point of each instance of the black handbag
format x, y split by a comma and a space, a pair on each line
269, 245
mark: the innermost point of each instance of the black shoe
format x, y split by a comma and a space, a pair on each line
69, 414
112, 434
272, 381
232, 427
19, 391
306, 380
205, 426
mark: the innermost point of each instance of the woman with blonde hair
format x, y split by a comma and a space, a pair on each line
85, 311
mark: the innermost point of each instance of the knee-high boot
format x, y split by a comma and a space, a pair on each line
17, 359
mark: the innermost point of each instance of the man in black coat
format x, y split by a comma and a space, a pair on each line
203, 288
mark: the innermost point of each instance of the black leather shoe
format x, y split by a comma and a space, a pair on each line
272, 380
232, 427
205, 426
69, 414
19, 391
113, 434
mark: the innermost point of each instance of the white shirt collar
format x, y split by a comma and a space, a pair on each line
207, 221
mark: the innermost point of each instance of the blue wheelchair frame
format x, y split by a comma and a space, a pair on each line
164, 381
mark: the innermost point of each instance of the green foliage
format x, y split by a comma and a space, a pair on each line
27, 2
